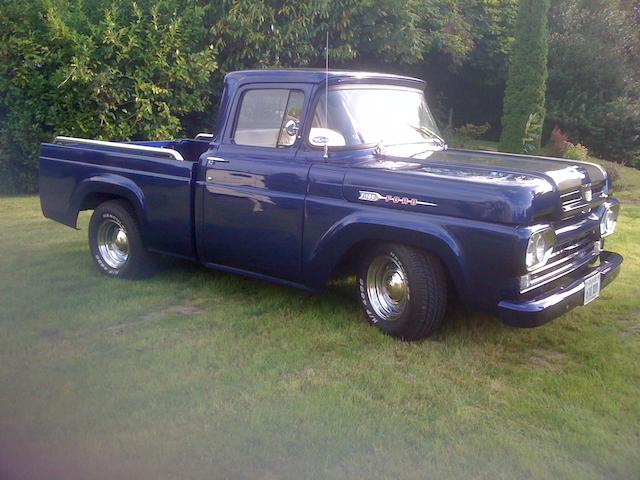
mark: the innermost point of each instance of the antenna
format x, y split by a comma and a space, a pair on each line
326, 94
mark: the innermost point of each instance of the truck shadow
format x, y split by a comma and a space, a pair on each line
340, 294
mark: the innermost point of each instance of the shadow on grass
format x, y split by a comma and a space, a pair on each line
340, 293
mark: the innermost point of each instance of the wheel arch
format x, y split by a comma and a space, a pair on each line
96, 190
345, 244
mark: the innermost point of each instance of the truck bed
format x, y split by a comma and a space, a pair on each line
77, 174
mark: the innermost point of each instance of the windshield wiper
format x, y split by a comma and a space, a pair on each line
380, 146
430, 133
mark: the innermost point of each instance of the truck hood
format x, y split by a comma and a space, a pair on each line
505, 188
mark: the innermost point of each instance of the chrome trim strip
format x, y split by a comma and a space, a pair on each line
204, 136
555, 159
169, 152
570, 253
598, 192
576, 206
545, 270
211, 161
572, 192
580, 251
560, 273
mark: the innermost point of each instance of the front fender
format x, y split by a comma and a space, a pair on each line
112, 185
363, 227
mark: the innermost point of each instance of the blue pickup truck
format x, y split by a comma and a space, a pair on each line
311, 174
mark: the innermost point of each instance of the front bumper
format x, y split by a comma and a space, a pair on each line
556, 302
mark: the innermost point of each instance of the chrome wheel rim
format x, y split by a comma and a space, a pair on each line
387, 287
113, 243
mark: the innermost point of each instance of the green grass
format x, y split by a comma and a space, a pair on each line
458, 141
198, 374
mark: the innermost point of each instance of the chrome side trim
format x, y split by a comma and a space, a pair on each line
204, 136
560, 273
167, 152
607, 180
542, 157
573, 201
564, 260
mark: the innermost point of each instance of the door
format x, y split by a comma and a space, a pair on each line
254, 189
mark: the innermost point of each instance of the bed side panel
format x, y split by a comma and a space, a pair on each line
160, 190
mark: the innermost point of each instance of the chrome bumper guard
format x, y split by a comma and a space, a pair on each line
556, 302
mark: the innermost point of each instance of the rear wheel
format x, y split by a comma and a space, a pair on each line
115, 241
403, 291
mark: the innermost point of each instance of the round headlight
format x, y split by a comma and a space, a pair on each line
539, 248
608, 222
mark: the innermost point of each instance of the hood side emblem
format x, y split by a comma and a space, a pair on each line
394, 199
586, 192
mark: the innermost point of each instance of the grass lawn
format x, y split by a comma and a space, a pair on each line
199, 374
458, 141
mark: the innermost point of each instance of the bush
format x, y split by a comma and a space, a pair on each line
577, 152
560, 146
473, 131
558, 143
98, 69
593, 91
613, 173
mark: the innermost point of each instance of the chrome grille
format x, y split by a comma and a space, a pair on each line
574, 204
565, 258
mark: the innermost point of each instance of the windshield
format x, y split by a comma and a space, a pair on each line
374, 115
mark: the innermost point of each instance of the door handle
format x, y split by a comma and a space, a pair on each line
211, 161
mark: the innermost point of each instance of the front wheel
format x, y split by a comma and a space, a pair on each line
403, 291
115, 241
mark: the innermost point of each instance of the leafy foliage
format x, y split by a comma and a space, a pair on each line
560, 146
473, 32
558, 143
473, 131
465, 58
525, 93
100, 69
594, 75
125, 69
290, 33
577, 152
532, 133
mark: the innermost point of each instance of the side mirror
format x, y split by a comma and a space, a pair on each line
292, 127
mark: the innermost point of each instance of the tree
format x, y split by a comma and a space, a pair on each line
593, 90
524, 100
125, 69
465, 58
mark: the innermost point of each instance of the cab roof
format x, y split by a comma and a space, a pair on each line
317, 76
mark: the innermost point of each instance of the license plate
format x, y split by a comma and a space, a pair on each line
591, 288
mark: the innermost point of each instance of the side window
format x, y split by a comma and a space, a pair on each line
269, 117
